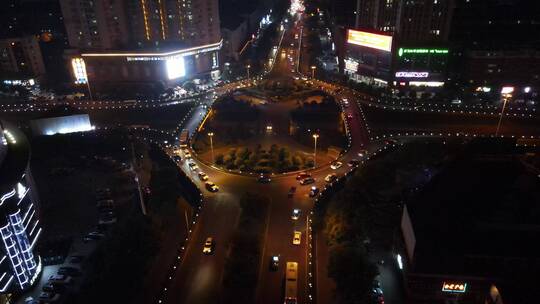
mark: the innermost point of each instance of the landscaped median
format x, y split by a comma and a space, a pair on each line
242, 265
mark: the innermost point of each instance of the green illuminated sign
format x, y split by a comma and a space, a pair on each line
402, 51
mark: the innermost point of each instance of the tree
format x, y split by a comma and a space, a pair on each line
350, 268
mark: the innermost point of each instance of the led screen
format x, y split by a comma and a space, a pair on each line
175, 67
375, 41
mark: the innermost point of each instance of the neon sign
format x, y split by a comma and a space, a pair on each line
402, 51
405, 74
454, 287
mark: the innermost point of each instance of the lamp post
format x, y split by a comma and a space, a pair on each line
501, 116
248, 67
313, 68
211, 134
315, 136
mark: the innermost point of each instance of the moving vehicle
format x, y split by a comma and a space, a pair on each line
336, 165
208, 247
263, 179
307, 181
295, 214
210, 186
314, 191
291, 283
354, 162
297, 238
202, 176
291, 192
274, 262
193, 166
363, 153
330, 177
187, 155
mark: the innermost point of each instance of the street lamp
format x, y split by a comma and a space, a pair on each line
315, 136
313, 68
501, 116
248, 67
211, 134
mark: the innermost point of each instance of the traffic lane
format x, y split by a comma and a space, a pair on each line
383, 121
279, 239
198, 279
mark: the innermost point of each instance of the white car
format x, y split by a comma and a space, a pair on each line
295, 214
336, 165
330, 177
297, 237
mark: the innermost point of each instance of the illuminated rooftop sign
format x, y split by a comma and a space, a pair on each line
406, 74
402, 51
454, 287
374, 41
159, 56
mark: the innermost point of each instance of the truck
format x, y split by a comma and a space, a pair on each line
184, 138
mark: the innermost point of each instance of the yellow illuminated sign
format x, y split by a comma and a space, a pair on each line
375, 41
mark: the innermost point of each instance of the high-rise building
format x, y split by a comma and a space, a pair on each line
19, 220
42, 19
410, 21
138, 42
20, 58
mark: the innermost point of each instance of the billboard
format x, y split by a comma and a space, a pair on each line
374, 41
175, 67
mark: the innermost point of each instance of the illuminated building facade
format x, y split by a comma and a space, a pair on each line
136, 43
19, 220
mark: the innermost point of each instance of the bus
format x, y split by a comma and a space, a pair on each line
291, 281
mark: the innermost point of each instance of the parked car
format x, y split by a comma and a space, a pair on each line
60, 279
107, 218
54, 288
68, 270
76, 259
48, 297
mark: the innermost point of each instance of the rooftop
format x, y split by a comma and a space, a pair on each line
481, 205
